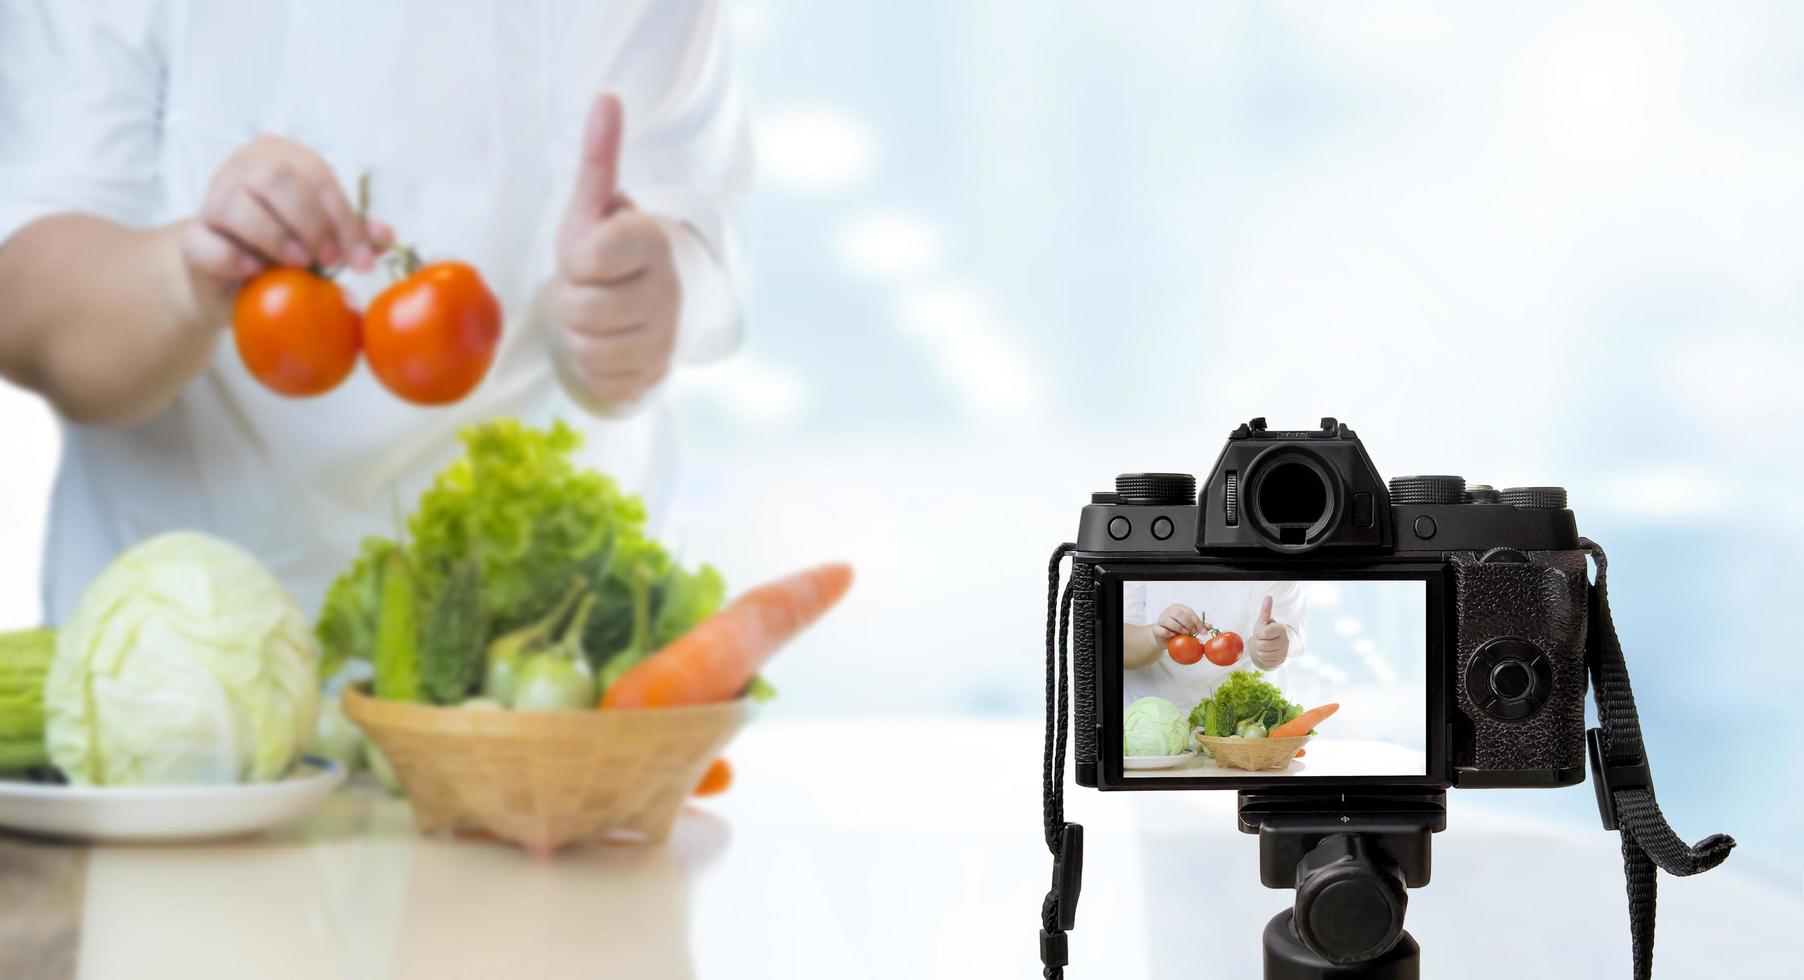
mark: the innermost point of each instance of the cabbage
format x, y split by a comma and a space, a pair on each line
1154, 726
184, 662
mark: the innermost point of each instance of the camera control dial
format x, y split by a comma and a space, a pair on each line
1156, 489
1537, 498
1509, 678
1428, 489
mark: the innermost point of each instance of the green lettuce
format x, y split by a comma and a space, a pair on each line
517, 510
1244, 697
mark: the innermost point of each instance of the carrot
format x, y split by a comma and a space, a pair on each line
716, 659
1301, 724
716, 780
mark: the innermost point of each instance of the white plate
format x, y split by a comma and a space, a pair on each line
166, 813
1156, 761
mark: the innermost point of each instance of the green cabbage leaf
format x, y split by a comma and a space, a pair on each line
184, 662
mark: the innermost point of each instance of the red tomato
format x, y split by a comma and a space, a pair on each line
432, 336
1223, 648
296, 332
1184, 648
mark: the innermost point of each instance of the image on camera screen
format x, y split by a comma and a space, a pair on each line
1225, 678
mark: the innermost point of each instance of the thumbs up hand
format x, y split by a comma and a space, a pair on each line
1270, 641
615, 299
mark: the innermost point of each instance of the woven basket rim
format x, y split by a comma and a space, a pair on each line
365, 709
1294, 740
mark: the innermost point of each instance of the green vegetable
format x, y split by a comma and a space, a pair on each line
1244, 697
506, 653
518, 506
1250, 728
347, 623
24, 660
451, 660
559, 678
638, 641
398, 635
1154, 726
184, 662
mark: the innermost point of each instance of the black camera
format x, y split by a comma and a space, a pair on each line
1490, 661
1341, 650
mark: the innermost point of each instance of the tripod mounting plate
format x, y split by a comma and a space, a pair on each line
1290, 826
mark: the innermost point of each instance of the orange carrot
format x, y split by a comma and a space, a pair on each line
716, 780
714, 661
1300, 753
1301, 724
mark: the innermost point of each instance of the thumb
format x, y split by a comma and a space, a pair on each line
597, 179
1265, 611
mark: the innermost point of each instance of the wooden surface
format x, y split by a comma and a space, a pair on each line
40, 908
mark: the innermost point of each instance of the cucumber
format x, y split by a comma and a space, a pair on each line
24, 660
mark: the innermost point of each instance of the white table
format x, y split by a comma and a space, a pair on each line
1325, 757
883, 850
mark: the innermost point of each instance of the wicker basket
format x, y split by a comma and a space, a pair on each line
546, 778
1255, 754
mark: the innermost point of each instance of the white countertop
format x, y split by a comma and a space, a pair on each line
883, 850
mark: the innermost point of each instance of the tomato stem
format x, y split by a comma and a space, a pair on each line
401, 259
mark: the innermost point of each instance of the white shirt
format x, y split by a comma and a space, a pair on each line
468, 115
1230, 606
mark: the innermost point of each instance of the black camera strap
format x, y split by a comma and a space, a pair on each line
1625, 790
1058, 913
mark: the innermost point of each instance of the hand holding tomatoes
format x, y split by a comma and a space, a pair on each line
616, 298
276, 203
430, 336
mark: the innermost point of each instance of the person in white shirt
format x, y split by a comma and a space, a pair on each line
154, 154
1270, 618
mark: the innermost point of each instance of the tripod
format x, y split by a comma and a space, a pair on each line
1351, 861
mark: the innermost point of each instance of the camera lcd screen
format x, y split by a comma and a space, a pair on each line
1219, 678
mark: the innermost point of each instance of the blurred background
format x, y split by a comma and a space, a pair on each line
1361, 649
999, 256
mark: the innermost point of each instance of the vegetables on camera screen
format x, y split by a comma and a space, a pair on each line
1274, 678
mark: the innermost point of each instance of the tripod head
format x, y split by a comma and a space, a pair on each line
1350, 860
